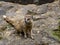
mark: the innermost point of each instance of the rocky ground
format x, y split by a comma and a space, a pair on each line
45, 19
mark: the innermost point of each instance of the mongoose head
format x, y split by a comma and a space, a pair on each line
28, 18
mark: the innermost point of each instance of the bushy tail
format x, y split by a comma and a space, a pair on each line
8, 19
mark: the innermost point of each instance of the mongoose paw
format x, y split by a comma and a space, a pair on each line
31, 38
25, 36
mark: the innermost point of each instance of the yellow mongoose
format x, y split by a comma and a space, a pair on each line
24, 25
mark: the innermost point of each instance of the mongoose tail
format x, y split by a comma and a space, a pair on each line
8, 19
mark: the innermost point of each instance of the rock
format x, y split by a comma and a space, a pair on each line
39, 9
42, 9
2, 12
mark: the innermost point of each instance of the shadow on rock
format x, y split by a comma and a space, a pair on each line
38, 2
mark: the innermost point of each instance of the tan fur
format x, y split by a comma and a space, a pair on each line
20, 25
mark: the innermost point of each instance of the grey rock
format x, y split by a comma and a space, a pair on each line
2, 12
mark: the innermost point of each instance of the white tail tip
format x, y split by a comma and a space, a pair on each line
4, 16
38, 31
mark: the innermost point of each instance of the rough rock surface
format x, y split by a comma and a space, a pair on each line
45, 18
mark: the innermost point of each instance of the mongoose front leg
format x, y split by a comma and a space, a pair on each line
29, 34
25, 34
